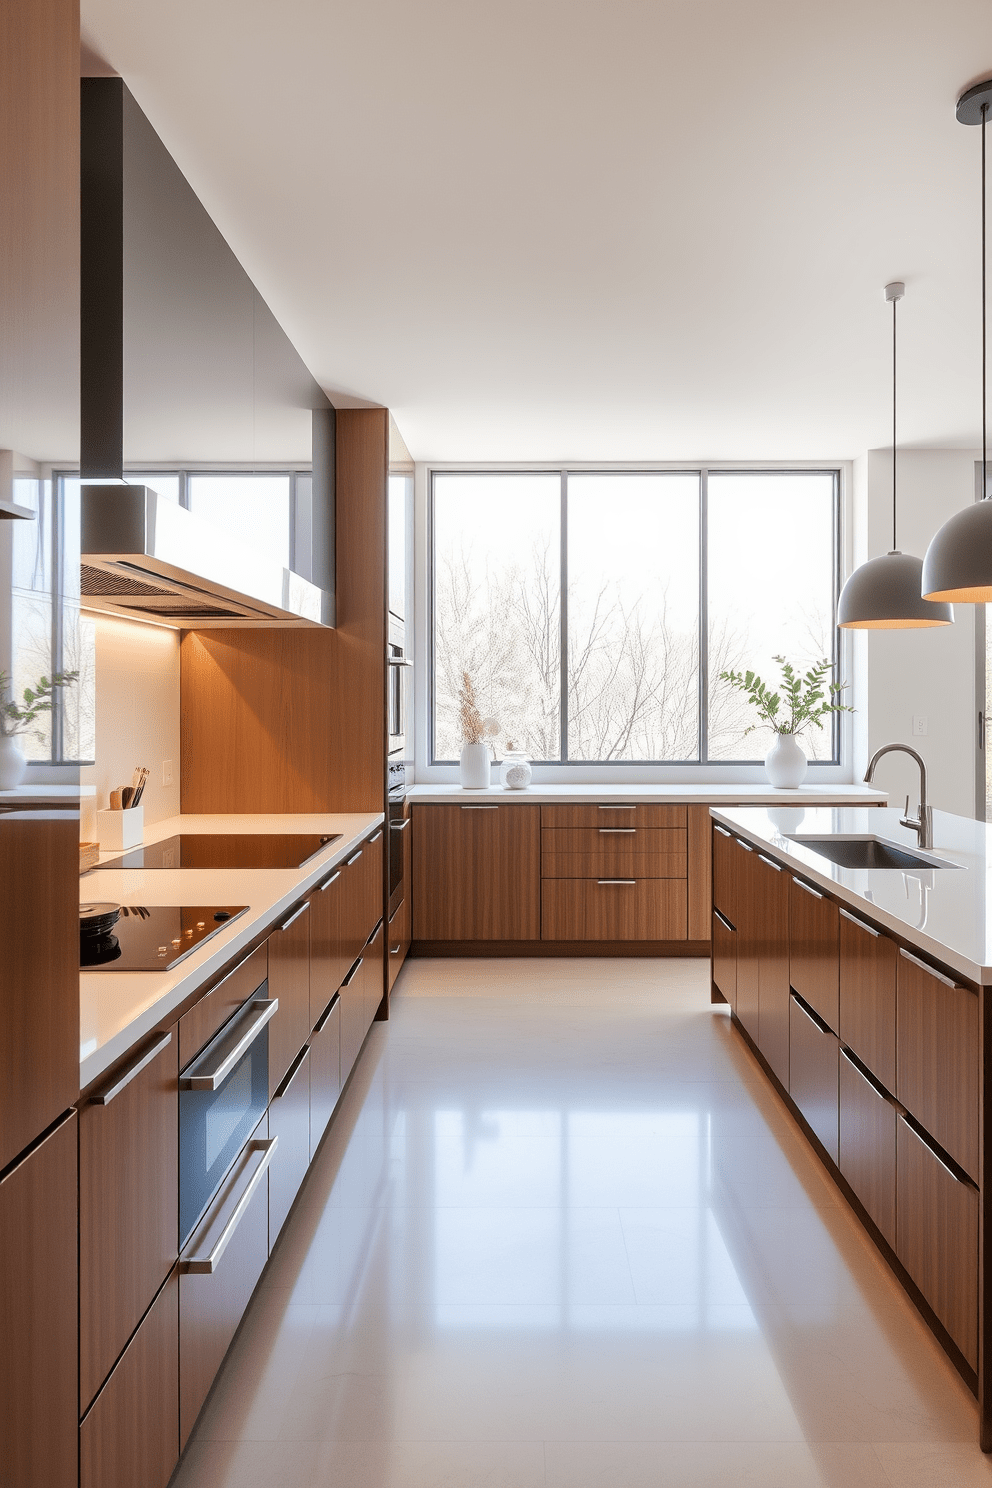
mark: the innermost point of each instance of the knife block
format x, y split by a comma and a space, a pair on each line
119, 830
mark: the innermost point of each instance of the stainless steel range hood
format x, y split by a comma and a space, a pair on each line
147, 558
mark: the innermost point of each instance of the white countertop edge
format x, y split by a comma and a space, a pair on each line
203, 965
804, 864
856, 794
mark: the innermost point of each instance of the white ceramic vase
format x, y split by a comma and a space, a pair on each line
785, 763
473, 766
515, 772
13, 765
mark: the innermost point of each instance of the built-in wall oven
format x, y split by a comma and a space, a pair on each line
223, 1094
398, 671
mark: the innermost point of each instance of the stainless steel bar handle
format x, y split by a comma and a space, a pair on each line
354, 858
617, 831
723, 831
353, 972
213, 1079
932, 1149
295, 915
398, 661
626, 882
322, 1020
328, 881
855, 920
395, 950
724, 921
370, 840
480, 808
806, 888
110, 1092
931, 970
770, 863
399, 826
745, 845
207, 1265
616, 808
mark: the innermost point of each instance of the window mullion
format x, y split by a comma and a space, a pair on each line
704, 627
563, 620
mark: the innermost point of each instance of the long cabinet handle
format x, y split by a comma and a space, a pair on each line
398, 661
213, 1079
616, 808
356, 968
625, 882
111, 1092
813, 893
370, 840
295, 915
399, 826
617, 831
856, 920
321, 1023
934, 1152
725, 922
207, 1265
354, 858
723, 831
292, 1072
770, 863
811, 1013
745, 845
931, 970
480, 808
328, 881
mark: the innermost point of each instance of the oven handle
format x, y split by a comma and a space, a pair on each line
398, 661
213, 1079
207, 1265
399, 826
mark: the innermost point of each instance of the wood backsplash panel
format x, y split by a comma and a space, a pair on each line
294, 720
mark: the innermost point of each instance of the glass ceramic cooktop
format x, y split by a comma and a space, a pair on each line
224, 850
147, 937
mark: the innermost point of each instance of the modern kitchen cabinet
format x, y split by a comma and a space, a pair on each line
867, 1016
937, 1043
814, 950
39, 1381
130, 1435
814, 1054
748, 937
477, 872
360, 995
614, 872
289, 984
867, 1155
128, 1202
726, 873
724, 943
361, 895
763, 956
289, 1123
328, 955
325, 1070
220, 1002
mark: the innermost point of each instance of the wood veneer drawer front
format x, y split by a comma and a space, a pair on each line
814, 950
131, 1434
937, 1058
586, 909
477, 872
128, 1202
937, 1236
397, 939
867, 1011
325, 1071
289, 985
289, 1121
724, 938
868, 1145
363, 891
220, 1002
814, 1053
604, 852
727, 855
641, 814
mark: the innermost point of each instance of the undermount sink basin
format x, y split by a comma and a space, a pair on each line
869, 852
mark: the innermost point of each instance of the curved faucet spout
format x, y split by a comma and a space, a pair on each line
922, 824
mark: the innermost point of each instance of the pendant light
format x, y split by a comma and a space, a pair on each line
958, 565
886, 593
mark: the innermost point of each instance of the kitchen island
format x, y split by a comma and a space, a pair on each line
864, 994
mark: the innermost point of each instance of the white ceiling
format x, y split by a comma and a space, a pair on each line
593, 229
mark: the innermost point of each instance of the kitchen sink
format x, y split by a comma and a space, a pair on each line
869, 852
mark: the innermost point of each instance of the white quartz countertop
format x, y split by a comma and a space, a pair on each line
942, 911
676, 794
119, 1008
44, 795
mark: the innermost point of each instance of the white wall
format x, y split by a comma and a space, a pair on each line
137, 714
930, 672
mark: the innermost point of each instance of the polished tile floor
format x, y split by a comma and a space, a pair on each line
562, 1233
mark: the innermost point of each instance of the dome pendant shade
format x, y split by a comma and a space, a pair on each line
958, 564
886, 594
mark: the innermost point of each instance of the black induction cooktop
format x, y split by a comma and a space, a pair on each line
225, 850
154, 937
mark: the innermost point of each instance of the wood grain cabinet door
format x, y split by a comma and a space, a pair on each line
131, 1433
726, 873
937, 1057
937, 1235
814, 1054
397, 939
748, 924
867, 1015
289, 982
325, 1071
814, 950
39, 1392
868, 1143
289, 1122
477, 872
362, 896
614, 908
725, 958
128, 1202
373, 972
772, 928
352, 1017
328, 957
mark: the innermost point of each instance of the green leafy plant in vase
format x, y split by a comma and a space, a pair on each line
17, 718
802, 701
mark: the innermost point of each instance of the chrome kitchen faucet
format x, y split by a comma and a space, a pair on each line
923, 824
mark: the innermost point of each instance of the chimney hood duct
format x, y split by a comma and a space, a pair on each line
146, 558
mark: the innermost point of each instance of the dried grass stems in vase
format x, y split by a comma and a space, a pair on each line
476, 732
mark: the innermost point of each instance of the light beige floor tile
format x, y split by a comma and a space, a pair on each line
401, 1464
259, 1375
926, 1465
217, 1464
711, 1465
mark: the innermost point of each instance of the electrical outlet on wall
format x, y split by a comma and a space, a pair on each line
919, 725
166, 772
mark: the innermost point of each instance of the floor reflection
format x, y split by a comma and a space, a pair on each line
561, 1232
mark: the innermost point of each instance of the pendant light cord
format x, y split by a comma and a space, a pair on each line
895, 547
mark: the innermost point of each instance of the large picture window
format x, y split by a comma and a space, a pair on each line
593, 612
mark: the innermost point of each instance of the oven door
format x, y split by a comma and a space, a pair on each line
223, 1094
